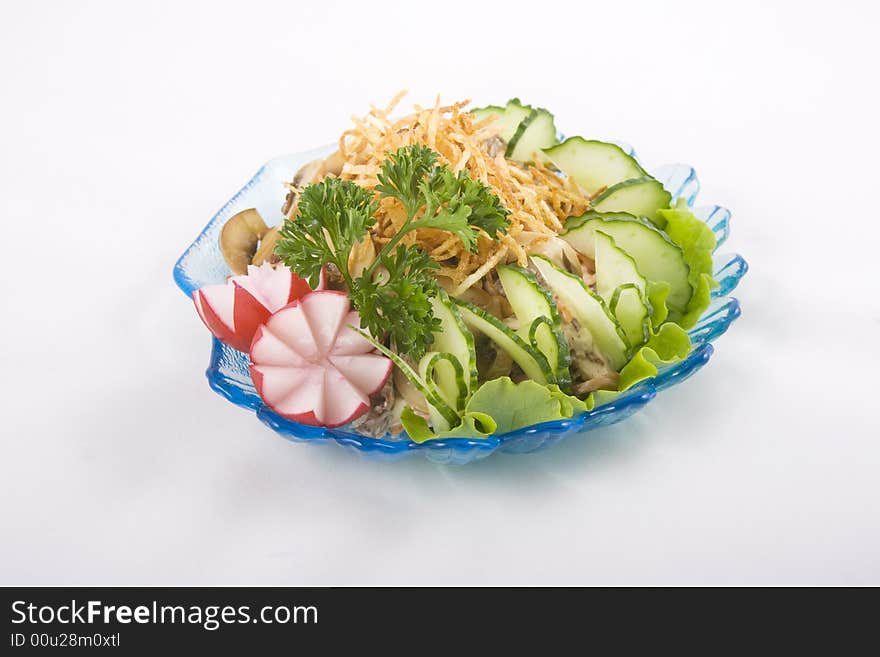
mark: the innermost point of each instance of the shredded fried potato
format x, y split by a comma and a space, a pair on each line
539, 200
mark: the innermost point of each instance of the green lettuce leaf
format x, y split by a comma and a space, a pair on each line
669, 344
697, 241
600, 398
473, 425
500, 406
568, 405
572, 405
657, 292
516, 405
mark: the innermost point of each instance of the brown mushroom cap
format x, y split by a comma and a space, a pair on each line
239, 238
266, 252
310, 172
333, 164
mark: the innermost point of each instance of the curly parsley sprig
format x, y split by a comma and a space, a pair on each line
452, 202
398, 300
332, 217
393, 294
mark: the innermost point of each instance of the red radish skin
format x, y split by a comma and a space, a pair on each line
248, 315
310, 367
211, 319
234, 311
300, 287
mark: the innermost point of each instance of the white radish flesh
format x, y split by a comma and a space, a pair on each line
310, 367
348, 341
366, 372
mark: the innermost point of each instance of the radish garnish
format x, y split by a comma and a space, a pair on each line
233, 312
310, 366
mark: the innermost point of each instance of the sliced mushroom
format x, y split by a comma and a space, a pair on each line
239, 238
476, 296
495, 145
499, 306
377, 421
289, 207
334, 279
446, 283
555, 249
606, 381
362, 255
407, 390
333, 164
308, 173
501, 365
266, 252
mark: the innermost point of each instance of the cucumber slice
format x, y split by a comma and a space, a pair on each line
656, 256
628, 306
443, 375
530, 302
622, 287
527, 130
455, 338
593, 164
509, 117
532, 361
535, 133
588, 309
641, 197
442, 372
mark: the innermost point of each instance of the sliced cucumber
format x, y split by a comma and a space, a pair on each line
530, 301
443, 375
526, 129
628, 306
509, 117
623, 288
442, 372
589, 309
614, 267
535, 133
641, 197
656, 256
593, 164
455, 338
532, 361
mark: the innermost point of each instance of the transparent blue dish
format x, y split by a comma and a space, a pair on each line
202, 264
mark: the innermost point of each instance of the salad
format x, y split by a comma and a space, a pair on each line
460, 272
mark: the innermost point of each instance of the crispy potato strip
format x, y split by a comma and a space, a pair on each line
539, 199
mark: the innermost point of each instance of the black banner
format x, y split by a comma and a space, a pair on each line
133, 620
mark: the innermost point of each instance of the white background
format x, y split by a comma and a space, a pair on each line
125, 126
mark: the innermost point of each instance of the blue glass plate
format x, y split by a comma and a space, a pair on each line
202, 264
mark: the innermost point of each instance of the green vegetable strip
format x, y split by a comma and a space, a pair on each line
448, 413
433, 359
